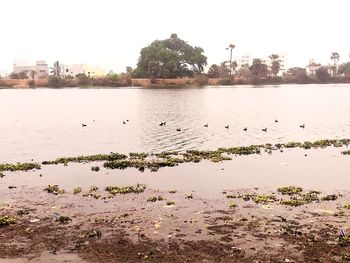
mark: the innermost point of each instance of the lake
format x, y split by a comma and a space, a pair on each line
44, 124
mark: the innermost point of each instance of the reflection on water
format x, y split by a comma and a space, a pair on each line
45, 123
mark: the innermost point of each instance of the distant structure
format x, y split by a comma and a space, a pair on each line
40, 68
312, 67
3, 74
246, 60
91, 71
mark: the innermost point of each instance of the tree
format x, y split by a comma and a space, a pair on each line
32, 74
344, 69
56, 70
214, 71
297, 75
258, 68
20, 75
335, 57
322, 74
244, 72
83, 79
170, 58
231, 47
275, 64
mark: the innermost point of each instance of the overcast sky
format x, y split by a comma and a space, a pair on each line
111, 33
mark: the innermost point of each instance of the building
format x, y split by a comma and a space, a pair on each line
245, 61
40, 69
3, 74
91, 71
312, 67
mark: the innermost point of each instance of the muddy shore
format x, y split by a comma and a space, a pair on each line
127, 228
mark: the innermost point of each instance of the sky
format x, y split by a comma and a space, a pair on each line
111, 33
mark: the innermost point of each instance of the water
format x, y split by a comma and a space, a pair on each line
43, 124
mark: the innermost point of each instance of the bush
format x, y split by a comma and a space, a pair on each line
201, 80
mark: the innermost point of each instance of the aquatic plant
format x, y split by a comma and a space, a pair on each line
172, 191
77, 190
138, 188
19, 167
89, 158
54, 189
169, 203
344, 241
93, 189
6, 220
331, 197
63, 219
293, 202
346, 256
289, 190
347, 205
231, 196
346, 152
2, 175
95, 168
264, 199
154, 198
232, 205
93, 233
189, 196
138, 155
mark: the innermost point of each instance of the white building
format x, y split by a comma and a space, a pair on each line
89, 70
40, 69
3, 74
245, 60
312, 67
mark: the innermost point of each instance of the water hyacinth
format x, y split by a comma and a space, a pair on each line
138, 188
19, 167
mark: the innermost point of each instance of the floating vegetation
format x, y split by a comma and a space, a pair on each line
77, 190
2, 175
190, 196
172, 191
90, 158
63, 219
19, 167
231, 196
93, 189
7, 220
169, 203
293, 202
232, 205
93, 233
347, 205
153, 162
136, 189
344, 241
331, 197
54, 189
290, 190
95, 168
154, 198
264, 199
23, 212
346, 152
346, 256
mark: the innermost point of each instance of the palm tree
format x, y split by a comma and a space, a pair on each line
32, 74
275, 64
231, 47
56, 70
335, 57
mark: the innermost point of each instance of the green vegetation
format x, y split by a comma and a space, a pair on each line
19, 167
93, 233
331, 197
138, 188
63, 219
89, 158
172, 191
2, 175
54, 189
6, 220
232, 205
93, 189
170, 58
293, 202
154, 198
290, 190
77, 190
347, 205
95, 168
346, 256
264, 199
168, 203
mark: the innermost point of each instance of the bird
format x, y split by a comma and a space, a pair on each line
276, 120
302, 126
83, 125
245, 129
124, 122
206, 125
127, 120
264, 130
178, 129
227, 126
162, 124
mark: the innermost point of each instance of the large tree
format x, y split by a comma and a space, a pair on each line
258, 68
335, 57
56, 70
275, 65
322, 74
170, 58
344, 69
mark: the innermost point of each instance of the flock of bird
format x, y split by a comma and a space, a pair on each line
206, 126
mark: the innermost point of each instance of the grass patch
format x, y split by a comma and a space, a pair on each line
6, 220
136, 189
54, 189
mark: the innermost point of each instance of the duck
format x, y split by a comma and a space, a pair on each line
124, 122
206, 125
162, 124
276, 120
245, 129
178, 129
302, 126
127, 120
83, 125
264, 130
227, 126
